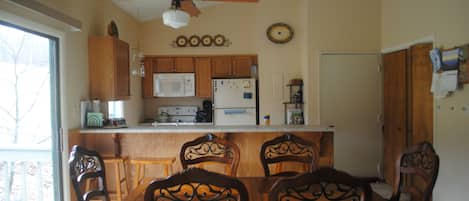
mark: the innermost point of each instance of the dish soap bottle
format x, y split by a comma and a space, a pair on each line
267, 120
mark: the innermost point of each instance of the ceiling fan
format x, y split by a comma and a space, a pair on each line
190, 7
181, 10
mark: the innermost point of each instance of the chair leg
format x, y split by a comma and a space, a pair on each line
137, 175
118, 183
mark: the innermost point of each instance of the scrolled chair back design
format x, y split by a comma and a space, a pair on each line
86, 165
195, 184
289, 147
323, 184
210, 148
417, 172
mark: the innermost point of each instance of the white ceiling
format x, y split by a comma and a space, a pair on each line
145, 10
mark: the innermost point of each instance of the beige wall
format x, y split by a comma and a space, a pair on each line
245, 26
404, 21
339, 26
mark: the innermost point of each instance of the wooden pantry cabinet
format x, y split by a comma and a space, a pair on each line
109, 74
408, 103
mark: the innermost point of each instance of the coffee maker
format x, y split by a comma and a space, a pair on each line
205, 115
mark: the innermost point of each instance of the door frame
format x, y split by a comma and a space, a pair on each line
55, 90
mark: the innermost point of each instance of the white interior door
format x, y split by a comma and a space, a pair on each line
350, 99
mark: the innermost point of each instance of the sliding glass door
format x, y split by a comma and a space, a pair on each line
29, 115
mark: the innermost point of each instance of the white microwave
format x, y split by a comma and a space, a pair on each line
173, 84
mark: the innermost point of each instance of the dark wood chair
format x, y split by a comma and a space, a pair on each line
210, 148
197, 184
288, 148
323, 184
417, 172
86, 166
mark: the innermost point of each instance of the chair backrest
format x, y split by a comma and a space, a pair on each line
323, 184
87, 166
417, 171
196, 184
210, 148
289, 147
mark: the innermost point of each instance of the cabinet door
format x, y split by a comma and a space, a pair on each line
122, 82
164, 65
147, 81
184, 64
395, 112
242, 66
221, 66
203, 77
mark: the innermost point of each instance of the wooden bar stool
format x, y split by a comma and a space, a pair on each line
118, 162
140, 167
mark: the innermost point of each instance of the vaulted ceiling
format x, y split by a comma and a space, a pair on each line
145, 10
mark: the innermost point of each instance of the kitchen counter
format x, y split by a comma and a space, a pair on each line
209, 129
166, 141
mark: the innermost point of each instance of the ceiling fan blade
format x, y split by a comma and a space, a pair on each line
247, 1
189, 7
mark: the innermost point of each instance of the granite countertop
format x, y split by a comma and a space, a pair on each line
210, 128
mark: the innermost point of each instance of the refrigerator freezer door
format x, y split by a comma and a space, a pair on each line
234, 93
230, 117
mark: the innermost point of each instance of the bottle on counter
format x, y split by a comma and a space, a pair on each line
267, 120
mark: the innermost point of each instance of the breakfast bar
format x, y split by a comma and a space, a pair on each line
166, 141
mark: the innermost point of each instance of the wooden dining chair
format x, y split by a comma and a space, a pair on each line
196, 184
323, 184
87, 166
210, 149
417, 171
288, 148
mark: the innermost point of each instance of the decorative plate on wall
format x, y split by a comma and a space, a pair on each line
207, 40
280, 33
204, 41
181, 41
219, 40
112, 29
194, 41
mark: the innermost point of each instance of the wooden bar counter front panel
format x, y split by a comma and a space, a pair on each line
168, 145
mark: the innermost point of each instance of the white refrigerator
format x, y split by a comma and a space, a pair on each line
234, 101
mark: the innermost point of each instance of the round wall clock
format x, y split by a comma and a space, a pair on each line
181, 41
280, 33
194, 41
207, 40
219, 40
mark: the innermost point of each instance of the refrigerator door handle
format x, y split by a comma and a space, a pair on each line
234, 111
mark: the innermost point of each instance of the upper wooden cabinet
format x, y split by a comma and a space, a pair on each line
203, 79
242, 66
173, 64
109, 73
147, 80
221, 66
232, 66
184, 64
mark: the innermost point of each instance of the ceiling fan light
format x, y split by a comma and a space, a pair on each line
176, 18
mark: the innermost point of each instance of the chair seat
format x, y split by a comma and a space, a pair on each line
385, 191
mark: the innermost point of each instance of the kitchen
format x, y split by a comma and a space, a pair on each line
350, 26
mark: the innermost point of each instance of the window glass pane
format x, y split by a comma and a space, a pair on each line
26, 167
